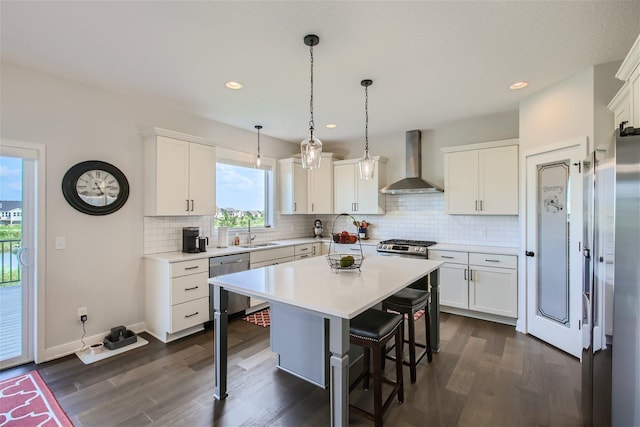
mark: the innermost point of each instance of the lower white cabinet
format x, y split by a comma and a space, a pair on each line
476, 282
176, 297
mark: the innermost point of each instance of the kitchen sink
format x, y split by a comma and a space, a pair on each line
258, 245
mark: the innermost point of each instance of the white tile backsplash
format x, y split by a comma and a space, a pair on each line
412, 216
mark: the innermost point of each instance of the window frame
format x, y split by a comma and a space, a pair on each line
247, 160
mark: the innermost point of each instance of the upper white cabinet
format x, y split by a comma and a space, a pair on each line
357, 196
482, 179
179, 174
320, 187
305, 191
293, 186
626, 104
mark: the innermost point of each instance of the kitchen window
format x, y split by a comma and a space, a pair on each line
243, 192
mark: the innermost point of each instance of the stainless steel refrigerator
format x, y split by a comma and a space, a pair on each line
611, 284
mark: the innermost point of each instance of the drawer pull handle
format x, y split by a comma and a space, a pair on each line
192, 268
492, 260
304, 256
191, 289
304, 249
446, 256
191, 315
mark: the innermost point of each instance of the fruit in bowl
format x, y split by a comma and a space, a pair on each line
346, 261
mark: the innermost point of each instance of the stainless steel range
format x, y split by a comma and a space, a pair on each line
418, 249
405, 247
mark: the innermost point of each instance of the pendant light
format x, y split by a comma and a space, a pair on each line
367, 164
311, 147
258, 155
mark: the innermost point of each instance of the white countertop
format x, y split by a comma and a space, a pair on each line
498, 250
312, 285
178, 256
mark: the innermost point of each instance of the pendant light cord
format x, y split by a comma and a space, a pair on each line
311, 123
366, 119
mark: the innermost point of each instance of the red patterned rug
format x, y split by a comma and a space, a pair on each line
26, 401
260, 318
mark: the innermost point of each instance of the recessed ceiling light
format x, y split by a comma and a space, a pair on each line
233, 85
331, 125
518, 85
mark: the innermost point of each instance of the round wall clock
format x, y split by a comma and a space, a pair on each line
95, 188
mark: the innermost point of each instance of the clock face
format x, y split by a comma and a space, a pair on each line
98, 188
95, 188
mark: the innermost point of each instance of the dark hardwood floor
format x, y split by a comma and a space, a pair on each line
486, 374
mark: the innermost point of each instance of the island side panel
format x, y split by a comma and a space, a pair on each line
434, 281
220, 323
339, 370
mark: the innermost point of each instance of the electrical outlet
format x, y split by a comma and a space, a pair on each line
82, 311
83, 318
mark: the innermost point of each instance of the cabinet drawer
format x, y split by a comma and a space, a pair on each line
303, 256
303, 249
190, 267
189, 314
449, 256
268, 254
493, 260
187, 288
271, 262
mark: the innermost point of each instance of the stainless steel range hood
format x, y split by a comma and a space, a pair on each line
413, 183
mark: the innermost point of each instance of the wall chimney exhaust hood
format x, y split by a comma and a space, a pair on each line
413, 183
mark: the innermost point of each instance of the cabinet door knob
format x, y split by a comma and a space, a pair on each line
529, 253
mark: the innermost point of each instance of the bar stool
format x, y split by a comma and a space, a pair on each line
409, 301
372, 330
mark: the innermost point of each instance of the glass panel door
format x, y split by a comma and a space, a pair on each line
16, 233
553, 242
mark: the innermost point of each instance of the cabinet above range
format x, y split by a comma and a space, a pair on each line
179, 174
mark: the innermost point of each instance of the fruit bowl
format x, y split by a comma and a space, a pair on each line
345, 261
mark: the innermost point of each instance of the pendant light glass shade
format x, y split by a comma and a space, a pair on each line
258, 127
366, 164
311, 147
311, 150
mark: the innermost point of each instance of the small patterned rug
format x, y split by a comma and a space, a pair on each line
418, 314
26, 401
260, 318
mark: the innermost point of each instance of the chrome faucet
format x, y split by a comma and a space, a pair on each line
250, 238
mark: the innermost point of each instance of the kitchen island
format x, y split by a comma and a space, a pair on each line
310, 285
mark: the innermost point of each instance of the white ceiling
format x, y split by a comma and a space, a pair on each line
431, 62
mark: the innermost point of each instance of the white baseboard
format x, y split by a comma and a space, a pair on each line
59, 351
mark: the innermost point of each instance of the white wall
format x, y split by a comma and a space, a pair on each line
478, 129
101, 267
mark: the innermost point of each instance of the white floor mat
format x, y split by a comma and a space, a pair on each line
88, 358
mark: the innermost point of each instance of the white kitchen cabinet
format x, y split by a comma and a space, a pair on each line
176, 297
357, 196
306, 191
320, 187
482, 179
179, 174
293, 186
626, 104
478, 284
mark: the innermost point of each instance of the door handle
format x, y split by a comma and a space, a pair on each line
294, 206
20, 256
191, 205
465, 274
529, 253
187, 200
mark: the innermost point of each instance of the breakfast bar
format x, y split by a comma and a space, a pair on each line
310, 285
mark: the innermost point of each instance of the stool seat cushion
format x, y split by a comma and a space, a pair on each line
408, 297
374, 325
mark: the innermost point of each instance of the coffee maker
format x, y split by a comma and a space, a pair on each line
190, 237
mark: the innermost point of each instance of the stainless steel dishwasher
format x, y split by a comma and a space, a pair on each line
228, 264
